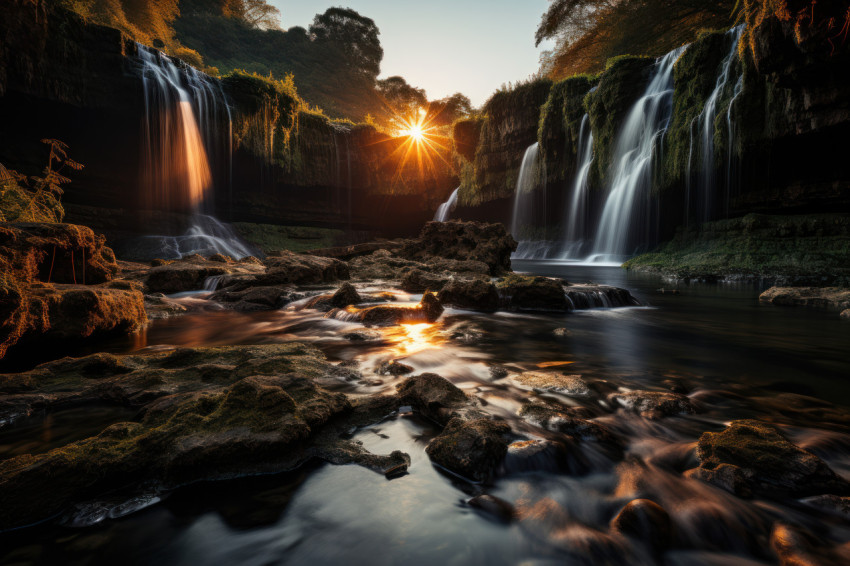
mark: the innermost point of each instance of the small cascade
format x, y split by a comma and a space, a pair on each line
576, 228
444, 211
702, 184
629, 213
206, 236
184, 153
529, 211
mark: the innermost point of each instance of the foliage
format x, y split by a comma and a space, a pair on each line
466, 133
36, 199
401, 98
826, 21
356, 36
446, 111
149, 21
590, 32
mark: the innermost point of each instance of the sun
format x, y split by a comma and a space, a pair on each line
414, 131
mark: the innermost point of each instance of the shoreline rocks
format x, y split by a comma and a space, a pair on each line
833, 299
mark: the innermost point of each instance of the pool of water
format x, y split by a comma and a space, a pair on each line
737, 357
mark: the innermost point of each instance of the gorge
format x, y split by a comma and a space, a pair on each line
601, 319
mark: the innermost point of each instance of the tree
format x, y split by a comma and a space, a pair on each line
446, 110
568, 20
355, 35
401, 98
261, 15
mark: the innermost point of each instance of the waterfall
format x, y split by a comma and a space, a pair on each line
529, 211
629, 210
575, 230
705, 197
183, 155
445, 210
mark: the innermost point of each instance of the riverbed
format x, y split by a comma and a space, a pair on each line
733, 357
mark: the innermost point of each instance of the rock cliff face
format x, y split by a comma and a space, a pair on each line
775, 127
63, 78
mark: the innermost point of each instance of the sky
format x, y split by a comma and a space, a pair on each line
445, 46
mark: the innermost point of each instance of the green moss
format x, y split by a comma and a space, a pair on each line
619, 87
511, 118
814, 248
271, 237
560, 125
695, 76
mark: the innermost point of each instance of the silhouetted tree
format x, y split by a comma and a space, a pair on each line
356, 36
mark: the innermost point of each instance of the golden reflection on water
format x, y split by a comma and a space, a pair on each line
409, 339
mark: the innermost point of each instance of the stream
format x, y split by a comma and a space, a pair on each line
735, 358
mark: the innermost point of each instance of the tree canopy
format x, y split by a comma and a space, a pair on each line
356, 35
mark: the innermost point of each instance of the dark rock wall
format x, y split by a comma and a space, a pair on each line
65, 79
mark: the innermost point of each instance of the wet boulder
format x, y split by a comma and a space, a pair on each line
588, 296
654, 404
472, 294
535, 456
428, 310
418, 281
458, 240
301, 269
345, 296
532, 293
556, 420
473, 449
260, 298
191, 274
645, 521
432, 395
383, 264
551, 382
394, 367
752, 457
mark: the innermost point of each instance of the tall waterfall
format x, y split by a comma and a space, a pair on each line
445, 210
577, 226
529, 211
184, 155
702, 184
628, 215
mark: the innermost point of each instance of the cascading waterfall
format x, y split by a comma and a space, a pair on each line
444, 211
701, 180
183, 155
575, 230
529, 211
628, 215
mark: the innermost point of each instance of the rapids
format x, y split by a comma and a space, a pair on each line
734, 357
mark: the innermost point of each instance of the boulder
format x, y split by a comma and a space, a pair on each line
344, 296
570, 385
470, 294
535, 456
432, 395
654, 404
752, 457
383, 264
553, 419
394, 367
56, 253
473, 449
428, 310
418, 281
646, 521
827, 298
260, 298
46, 314
301, 269
458, 240
532, 293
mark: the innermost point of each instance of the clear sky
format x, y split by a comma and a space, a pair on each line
445, 46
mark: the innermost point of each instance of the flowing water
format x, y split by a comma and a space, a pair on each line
735, 358
529, 204
629, 214
703, 186
444, 211
184, 156
577, 224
